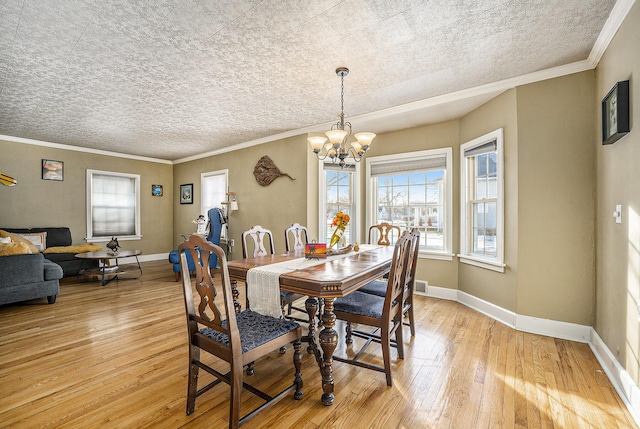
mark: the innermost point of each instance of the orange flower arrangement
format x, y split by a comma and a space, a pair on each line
340, 218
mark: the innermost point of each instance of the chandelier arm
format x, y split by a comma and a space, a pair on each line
355, 155
328, 153
344, 143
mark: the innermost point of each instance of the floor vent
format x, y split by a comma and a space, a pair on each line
421, 287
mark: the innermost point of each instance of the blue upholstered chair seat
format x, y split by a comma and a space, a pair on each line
284, 295
363, 304
255, 330
376, 287
174, 258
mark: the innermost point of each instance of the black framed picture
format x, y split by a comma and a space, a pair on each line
615, 113
52, 170
186, 194
156, 190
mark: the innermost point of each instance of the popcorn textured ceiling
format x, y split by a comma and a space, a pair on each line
170, 79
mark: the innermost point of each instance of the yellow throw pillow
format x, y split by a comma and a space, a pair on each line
15, 249
18, 239
77, 248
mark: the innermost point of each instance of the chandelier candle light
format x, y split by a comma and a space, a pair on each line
338, 148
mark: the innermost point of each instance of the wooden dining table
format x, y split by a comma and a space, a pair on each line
327, 281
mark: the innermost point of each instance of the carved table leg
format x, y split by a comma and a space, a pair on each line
235, 294
311, 305
328, 339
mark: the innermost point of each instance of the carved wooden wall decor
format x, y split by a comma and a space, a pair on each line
266, 171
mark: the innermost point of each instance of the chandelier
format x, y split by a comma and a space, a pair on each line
339, 148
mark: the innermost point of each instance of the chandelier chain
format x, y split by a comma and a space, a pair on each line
342, 101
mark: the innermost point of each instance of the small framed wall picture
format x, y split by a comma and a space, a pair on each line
52, 170
156, 190
186, 194
615, 113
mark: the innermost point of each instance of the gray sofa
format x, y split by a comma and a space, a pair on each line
59, 236
24, 277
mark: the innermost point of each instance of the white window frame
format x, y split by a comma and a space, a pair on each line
322, 204
466, 255
90, 238
371, 183
225, 209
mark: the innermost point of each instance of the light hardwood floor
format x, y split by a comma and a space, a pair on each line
116, 357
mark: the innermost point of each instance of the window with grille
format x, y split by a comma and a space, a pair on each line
413, 190
338, 191
482, 202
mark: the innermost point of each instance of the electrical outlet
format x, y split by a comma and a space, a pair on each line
617, 214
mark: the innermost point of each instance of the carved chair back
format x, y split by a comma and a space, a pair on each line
298, 234
261, 240
208, 312
410, 280
385, 233
397, 278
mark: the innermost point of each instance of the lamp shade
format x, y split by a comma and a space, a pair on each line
365, 139
316, 142
336, 136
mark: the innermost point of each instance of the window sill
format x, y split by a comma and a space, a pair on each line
482, 263
107, 239
438, 256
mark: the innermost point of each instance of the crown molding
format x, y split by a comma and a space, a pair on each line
81, 149
616, 17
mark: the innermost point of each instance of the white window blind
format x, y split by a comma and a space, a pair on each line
491, 146
408, 165
112, 204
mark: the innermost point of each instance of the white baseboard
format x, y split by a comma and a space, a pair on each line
155, 257
554, 328
442, 292
625, 386
500, 314
145, 258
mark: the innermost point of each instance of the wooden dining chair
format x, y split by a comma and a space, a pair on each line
235, 338
384, 314
379, 287
385, 232
296, 237
261, 241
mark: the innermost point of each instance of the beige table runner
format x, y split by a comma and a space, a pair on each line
263, 283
